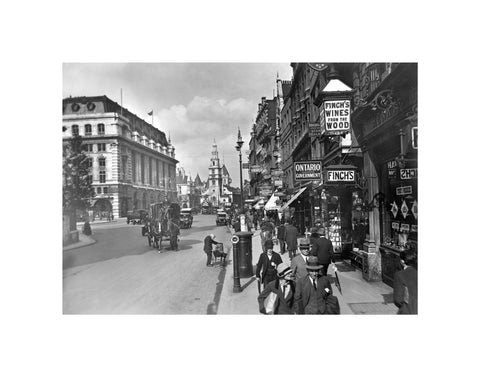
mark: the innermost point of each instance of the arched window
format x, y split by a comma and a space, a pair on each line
75, 130
88, 130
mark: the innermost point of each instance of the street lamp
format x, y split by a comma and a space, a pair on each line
238, 147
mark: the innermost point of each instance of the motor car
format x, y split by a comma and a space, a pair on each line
186, 218
137, 216
221, 218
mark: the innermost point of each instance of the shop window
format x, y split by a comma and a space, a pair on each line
101, 129
75, 130
88, 130
103, 177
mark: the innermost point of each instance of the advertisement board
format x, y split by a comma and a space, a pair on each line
336, 116
307, 170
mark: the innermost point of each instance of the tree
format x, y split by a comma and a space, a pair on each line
77, 185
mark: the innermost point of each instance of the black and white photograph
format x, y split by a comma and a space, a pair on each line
239, 188
308, 162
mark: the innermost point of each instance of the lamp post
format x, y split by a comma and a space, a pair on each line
238, 147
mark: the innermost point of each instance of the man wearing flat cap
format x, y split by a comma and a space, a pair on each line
284, 288
322, 248
312, 290
267, 264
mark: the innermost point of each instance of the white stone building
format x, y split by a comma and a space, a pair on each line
133, 163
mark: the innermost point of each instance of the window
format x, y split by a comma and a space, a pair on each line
99, 190
101, 147
90, 162
101, 163
75, 130
101, 129
88, 130
89, 147
105, 190
103, 177
90, 179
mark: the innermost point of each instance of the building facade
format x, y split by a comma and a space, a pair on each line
356, 123
133, 164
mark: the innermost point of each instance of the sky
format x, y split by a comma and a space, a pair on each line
194, 103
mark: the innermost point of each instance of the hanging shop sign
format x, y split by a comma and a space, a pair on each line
266, 192
392, 169
341, 176
307, 170
404, 190
395, 226
336, 116
314, 130
404, 228
415, 137
408, 173
255, 169
340, 173
276, 172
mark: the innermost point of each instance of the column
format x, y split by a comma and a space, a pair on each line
372, 266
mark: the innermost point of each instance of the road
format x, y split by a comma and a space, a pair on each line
121, 274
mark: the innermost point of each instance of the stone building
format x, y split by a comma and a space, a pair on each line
133, 164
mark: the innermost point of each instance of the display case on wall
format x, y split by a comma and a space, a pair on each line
335, 232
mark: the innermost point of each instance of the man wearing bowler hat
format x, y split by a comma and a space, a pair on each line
311, 290
299, 263
322, 248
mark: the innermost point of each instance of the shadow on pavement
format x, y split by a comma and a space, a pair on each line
252, 279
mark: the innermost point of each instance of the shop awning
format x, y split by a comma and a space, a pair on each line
271, 205
293, 198
259, 204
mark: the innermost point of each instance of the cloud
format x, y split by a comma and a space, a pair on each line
193, 128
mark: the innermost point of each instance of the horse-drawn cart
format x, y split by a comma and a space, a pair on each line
163, 224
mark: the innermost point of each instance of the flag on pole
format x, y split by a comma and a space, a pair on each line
150, 113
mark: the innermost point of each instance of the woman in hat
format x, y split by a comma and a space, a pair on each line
311, 290
267, 264
283, 288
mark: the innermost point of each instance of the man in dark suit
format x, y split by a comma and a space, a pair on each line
299, 263
405, 284
267, 264
291, 234
284, 288
322, 248
208, 242
311, 290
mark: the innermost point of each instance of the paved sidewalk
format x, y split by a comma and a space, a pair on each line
359, 296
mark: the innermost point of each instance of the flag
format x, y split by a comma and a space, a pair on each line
150, 113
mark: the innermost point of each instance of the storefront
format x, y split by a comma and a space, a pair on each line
342, 211
386, 127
